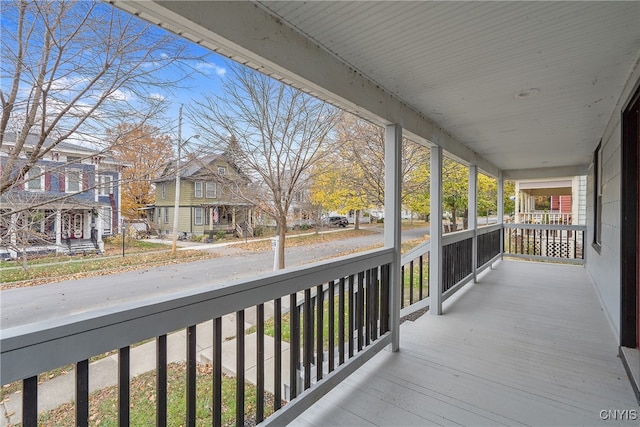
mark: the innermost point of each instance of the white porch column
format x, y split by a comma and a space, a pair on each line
435, 260
100, 228
58, 230
516, 210
501, 210
392, 222
472, 208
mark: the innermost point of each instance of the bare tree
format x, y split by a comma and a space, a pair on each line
362, 146
72, 69
274, 133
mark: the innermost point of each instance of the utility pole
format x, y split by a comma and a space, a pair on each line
176, 207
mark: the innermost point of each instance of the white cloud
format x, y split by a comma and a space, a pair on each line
206, 66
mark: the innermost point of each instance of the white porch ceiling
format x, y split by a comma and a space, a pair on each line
460, 67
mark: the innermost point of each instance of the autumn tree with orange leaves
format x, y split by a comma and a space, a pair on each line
144, 151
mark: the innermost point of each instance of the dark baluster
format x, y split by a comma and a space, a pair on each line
421, 277
402, 304
384, 299
277, 356
375, 303
240, 368
82, 393
360, 310
331, 303
427, 278
411, 283
191, 376
319, 331
341, 322
124, 363
352, 314
294, 351
307, 331
30, 402
217, 372
260, 363
161, 381
368, 307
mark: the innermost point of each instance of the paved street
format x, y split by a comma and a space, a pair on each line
32, 304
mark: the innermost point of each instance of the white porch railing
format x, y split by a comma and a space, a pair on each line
544, 218
340, 319
353, 291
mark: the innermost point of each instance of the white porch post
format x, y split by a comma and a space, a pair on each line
472, 208
516, 210
100, 229
501, 211
58, 230
392, 224
435, 260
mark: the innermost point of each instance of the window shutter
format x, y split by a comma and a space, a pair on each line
61, 186
47, 181
85, 181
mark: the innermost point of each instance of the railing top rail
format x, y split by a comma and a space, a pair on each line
457, 236
488, 229
547, 226
83, 335
414, 253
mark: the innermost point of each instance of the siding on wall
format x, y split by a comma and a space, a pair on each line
604, 267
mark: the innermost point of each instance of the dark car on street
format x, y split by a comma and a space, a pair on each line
335, 221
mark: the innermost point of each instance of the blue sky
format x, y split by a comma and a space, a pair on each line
209, 76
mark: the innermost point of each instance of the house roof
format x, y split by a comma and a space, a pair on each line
514, 86
61, 147
196, 168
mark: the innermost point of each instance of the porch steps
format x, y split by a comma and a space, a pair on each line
82, 246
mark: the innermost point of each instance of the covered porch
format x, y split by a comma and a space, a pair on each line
489, 85
527, 344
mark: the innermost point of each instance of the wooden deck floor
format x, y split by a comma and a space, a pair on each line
527, 345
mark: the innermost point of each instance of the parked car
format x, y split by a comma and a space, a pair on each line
335, 221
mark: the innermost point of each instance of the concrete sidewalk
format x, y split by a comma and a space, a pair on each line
104, 372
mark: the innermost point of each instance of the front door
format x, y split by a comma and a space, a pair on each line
73, 225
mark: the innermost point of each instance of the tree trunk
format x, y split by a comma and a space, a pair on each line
357, 220
282, 231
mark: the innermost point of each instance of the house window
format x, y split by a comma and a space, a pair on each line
597, 192
73, 181
105, 185
198, 216
34, 179
210, 188
197, 189
106, 220
166, 215
163, 191
222, 170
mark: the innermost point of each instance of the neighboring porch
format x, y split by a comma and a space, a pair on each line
560, 201
67, 226
526, 345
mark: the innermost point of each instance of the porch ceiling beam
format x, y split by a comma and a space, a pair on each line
247, 33
538, 173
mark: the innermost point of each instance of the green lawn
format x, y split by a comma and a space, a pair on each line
103, 403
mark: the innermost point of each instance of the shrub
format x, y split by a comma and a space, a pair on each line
220, 235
